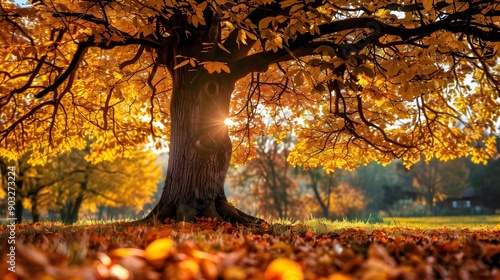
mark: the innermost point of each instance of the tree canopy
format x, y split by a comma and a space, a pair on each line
356, 81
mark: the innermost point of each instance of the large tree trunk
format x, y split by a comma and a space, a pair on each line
200, 148
200, 151
73, 214
71, 209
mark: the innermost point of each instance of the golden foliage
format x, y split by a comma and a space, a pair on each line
340, 201
124, 182
371, 81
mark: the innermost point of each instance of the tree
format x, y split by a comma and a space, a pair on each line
129, 182
334, 201
437, 180
69, 183
20, 167
370, 179
30, 185
267, 180
323, 186
357, 82
485, 179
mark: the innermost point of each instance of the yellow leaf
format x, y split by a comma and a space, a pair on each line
287, 3
242, 36
296, 8
117, 75
339, 276
158, 249
119, 272
392, 68
428, 5
171, 3
283, 269
127, 252
192, 62
185, 62
116, 38
135, 21
215, 66
264, 23
234, 272
325, 50
223, 48
195, 20
202, 6
278, 41
251, 36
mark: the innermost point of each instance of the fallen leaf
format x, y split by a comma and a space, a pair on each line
234, 273
158, 249
283, 269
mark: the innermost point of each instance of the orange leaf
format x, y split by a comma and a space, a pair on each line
127, 252
339, 276
283, 269
158, 249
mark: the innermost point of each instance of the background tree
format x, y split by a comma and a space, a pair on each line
485, 179
344, 201
371, 179
437, 180
267, 180
20, 168
125, 182
357, 82
27, 184
323, 186
68, 183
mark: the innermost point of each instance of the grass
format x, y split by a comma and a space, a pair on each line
446, 221
320, 226
316, 225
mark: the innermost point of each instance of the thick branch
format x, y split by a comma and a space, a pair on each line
79, 53
4, 133
304, 44
84, 16
134, 59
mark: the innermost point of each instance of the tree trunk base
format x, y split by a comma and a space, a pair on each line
221, 210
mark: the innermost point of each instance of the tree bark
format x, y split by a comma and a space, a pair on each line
73, 213
34, 208
200, 151
19, 210
71, 210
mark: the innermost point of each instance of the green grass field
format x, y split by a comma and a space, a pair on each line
445, 221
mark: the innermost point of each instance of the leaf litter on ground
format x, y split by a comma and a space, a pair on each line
208, 249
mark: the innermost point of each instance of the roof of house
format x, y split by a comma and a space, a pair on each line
468, 192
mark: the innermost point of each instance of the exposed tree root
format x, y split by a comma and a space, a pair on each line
220, 209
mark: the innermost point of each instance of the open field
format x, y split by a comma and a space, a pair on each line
315, 249
446, 221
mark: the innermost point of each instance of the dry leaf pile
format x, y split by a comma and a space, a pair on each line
212, 250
